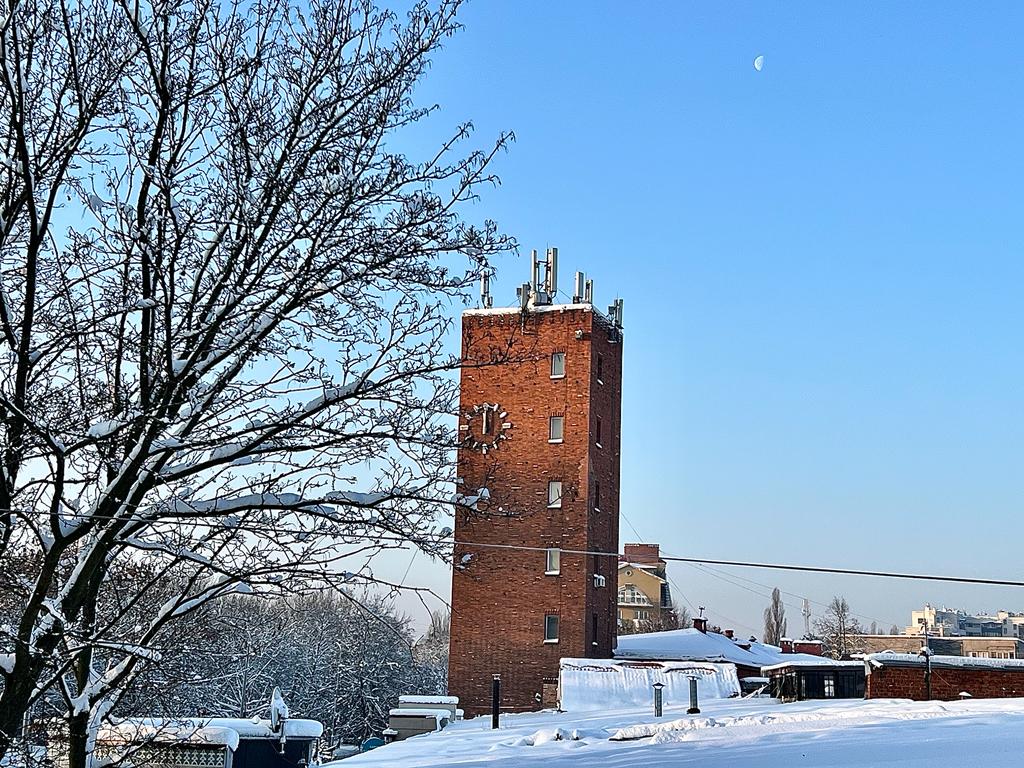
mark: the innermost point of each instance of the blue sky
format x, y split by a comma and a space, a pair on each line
821, 266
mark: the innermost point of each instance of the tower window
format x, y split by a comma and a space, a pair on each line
557, 365
600, 369
555, 493
551, 628
593, 628
597, 495
556, 429
553, 562
598, 434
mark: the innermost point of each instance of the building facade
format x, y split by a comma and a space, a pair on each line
971, 647
538, 475
945, 622
644, 595
947, 678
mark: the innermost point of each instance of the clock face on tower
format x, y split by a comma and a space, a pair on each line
484, 427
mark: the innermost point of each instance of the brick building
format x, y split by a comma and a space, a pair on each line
538, 467
904, 676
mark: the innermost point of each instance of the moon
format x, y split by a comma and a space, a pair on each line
759, 63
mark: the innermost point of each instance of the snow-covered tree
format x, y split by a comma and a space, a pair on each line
223, 294
775, 619
839, 631
340, 659
431, 653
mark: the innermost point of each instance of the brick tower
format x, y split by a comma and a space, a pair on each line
540, 416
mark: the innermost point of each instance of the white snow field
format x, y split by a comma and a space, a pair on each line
760, 733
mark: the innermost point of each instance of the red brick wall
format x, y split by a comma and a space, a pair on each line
908, 683
814, 649
500, 598
641, 553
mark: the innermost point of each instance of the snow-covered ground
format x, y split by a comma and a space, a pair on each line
731, 732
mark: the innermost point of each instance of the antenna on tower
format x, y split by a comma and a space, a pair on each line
588, 292
486, 300
535, 279
523, 292
551, 272
578, 291
807, 617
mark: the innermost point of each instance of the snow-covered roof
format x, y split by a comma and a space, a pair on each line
419, 712
814, 661
647, 568
963, 662
410, 699
225, 731
694, 645
533, 308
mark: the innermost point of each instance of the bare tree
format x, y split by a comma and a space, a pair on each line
840, 632
775, 619
223, 294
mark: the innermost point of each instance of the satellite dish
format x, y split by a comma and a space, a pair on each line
759, 63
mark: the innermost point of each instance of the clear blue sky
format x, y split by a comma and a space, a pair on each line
821, 266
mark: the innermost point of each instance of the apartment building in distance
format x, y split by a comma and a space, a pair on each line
644, 595
945, 622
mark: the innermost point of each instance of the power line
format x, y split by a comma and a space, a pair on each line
849, 571
728, 576
241, 526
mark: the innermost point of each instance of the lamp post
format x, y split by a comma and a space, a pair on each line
694, 709
495, 700
657, 699
926, 651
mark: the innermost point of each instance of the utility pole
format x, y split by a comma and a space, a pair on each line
926, 651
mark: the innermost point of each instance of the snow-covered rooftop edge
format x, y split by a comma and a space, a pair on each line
821, 661
205, 730
916, 660
515, 310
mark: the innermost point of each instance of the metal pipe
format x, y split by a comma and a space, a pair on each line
694, 709
495, 700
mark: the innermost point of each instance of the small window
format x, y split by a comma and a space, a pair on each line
555, 493
597, 496
598, 432
556, 429
830, 687
593, 628
551, 628
600, 369
557, 365
553, 562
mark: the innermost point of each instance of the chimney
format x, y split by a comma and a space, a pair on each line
700, 624
644, 554
728, 633
786, 645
